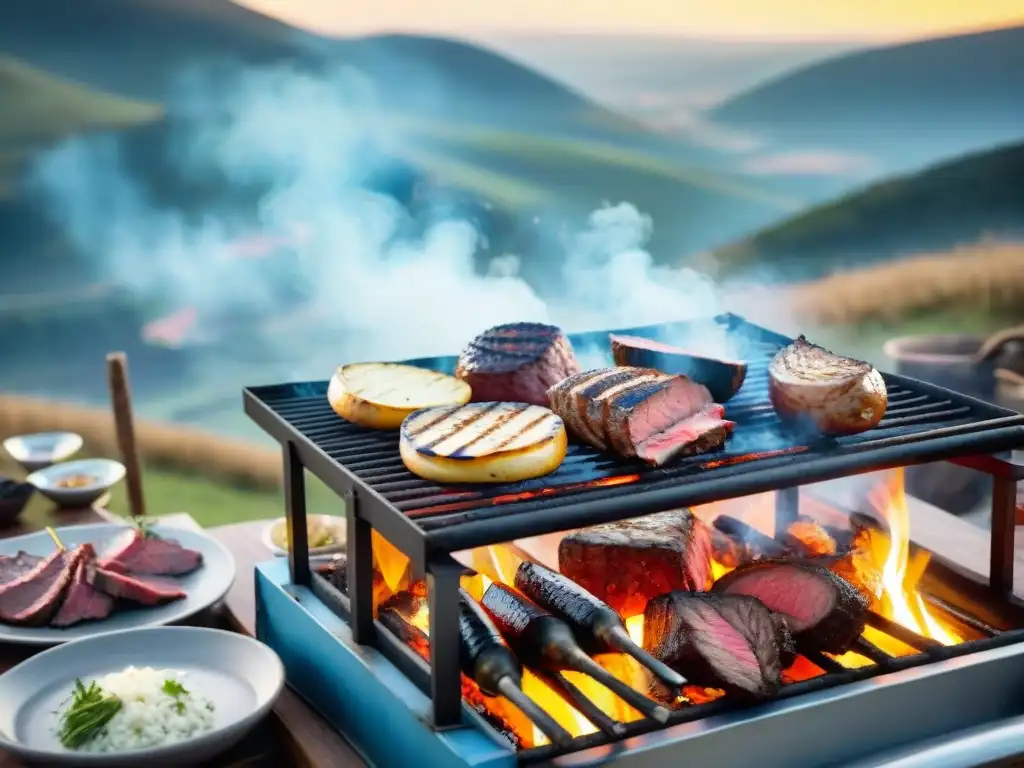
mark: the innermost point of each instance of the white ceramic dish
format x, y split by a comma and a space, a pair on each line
336, 524
42, 448
204, 587
241, 676
106, 472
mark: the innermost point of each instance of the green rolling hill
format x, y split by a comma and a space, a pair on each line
950, 204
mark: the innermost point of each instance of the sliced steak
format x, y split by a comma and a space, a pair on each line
83, 602
136, 590
725, 641
595, 408
151, 555
722, 377
12, 568
823, 610
702, 432
517, 362
632, 416
572, 398
33, 599
627, 563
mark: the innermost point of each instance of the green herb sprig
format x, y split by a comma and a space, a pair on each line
90, 710
176, 691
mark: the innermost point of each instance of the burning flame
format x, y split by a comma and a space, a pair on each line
900, 573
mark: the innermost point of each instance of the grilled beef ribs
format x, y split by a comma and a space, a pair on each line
517, 362
137, 590
14, 567
640, 412
823, 610
725, 641
35, 597
82, 601
722, 377
151, 555
627, 563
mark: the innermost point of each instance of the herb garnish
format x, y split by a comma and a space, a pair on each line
175, 690
143, 524
91, 709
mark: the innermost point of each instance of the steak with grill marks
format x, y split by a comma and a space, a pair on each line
629, 562
14, 567
636, 414
151, 555
595, 409
517, 362
121, 586
824, 611
33, 599
571, 398
83, 602
725, 641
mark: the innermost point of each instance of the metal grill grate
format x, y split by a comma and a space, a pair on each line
922, 423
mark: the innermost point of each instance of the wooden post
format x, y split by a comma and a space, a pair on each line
121, 400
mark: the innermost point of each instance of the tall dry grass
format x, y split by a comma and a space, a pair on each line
988, 276
178, 448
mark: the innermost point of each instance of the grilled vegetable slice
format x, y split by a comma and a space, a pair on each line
832, 395
381, 395
483, 443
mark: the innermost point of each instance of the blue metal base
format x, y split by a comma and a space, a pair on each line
356, 689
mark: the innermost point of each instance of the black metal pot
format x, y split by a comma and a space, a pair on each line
951, 361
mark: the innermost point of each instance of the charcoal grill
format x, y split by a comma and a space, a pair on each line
428, 522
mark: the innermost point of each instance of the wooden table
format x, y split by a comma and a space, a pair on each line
298, 736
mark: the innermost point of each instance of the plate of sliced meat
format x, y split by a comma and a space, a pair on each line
84, 580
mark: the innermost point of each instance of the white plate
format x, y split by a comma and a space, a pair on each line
203, 587
106, 471
320, 554
241, 676
43, 448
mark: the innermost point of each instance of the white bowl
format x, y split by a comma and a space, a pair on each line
336, 524
43, 448
240, 675
105, 471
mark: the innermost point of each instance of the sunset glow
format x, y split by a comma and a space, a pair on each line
785, 19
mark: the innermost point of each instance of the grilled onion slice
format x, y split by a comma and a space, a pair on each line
483, 443
381, 395
833, 394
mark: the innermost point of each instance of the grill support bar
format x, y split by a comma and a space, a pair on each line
295, 513
359, 548
445, 686
1004, 511
787, 509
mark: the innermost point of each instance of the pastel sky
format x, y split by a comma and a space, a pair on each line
795, 19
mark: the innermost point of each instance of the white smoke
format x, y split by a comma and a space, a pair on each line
374, 295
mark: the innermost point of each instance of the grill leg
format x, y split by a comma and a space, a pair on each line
359, 548
295, 510
1004, 513
787, 508
445, 680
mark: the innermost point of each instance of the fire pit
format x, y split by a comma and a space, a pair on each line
934, 633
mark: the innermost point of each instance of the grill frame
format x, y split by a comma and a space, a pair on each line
981, 429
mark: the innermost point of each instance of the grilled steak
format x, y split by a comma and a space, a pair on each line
629, 562
722, 377
151, 555
640, 412
517, 362
824, 611
83, 602
124, 587
15, 567
725, 641
35, 597
705, 431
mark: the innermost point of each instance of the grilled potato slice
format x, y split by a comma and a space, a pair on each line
381, 395
483, 443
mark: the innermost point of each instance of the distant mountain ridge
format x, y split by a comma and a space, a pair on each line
950, 204
911, 104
